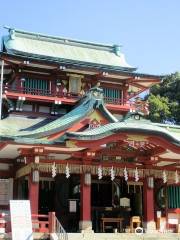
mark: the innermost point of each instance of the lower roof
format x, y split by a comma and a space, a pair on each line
171, 134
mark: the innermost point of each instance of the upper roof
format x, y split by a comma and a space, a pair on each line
62, 49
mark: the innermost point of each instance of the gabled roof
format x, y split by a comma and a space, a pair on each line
135, 139
64, 50
171, 133
93, 100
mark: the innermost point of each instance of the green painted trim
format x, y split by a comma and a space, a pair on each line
173, 196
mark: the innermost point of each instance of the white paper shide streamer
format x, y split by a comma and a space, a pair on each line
136, 175
67, 171
164, 177
100, 173
54, 170
125, 174
176, 177
112, 173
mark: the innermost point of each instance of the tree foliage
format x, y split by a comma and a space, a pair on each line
164, 100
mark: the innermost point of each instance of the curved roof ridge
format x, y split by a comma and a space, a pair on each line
112, 128
175, 126
66, 40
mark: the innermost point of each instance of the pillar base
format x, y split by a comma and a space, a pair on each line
85, 226
150, 227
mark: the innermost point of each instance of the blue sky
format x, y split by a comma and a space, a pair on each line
148, 30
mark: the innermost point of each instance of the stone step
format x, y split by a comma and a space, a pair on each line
110, 236
123, 236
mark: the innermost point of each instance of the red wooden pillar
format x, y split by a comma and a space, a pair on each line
52, 222
149, 220
34, 191
85, 223
124, 94
53, 87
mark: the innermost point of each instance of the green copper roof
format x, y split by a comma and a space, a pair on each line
135, 126
55, 48
14, 124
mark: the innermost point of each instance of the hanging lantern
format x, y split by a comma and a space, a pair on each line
100, 173
164, 177
136, 175
125, 174
67, 171
87, 179
176, 177
36, 159
35, 176
112, 173
150, 182
54, 170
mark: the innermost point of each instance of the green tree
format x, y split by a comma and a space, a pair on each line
164, 99
158, 108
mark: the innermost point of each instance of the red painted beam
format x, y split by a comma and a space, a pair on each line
94, 143
3, 145
123, 108
157, 140
6, 174
164, 143
64, 100
6, 160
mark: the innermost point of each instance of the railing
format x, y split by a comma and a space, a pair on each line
61, 94
40, 223
5, 225
34, 91
26, 90
116, 101
40, 92
59, 230
113, 100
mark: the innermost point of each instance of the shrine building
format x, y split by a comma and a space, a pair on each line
75, 138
